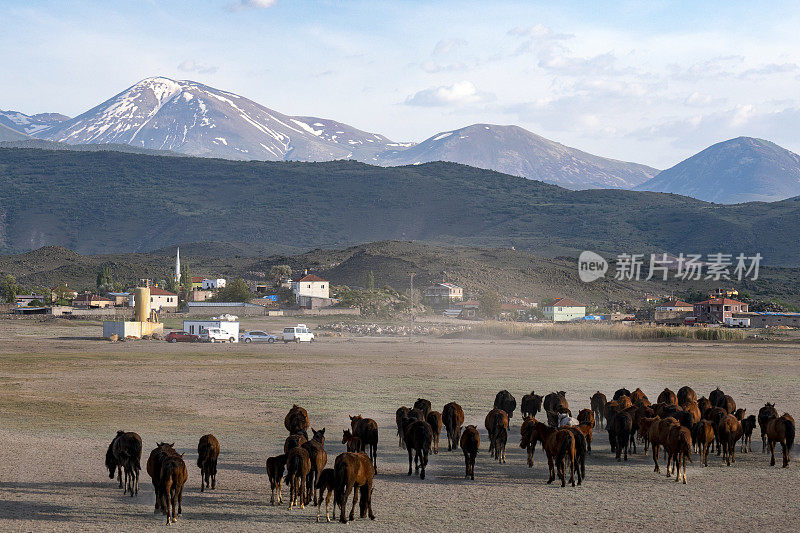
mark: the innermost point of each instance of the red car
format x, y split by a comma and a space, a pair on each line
181, 336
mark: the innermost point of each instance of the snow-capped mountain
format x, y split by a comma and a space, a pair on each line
192, 118
516, 151
30, 124
743, 169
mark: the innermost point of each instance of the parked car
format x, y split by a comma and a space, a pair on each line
298, 333
181, 336
258, 336
217, 335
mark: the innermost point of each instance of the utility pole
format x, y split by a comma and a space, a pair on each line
411, 300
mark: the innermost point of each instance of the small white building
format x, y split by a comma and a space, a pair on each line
564, 310
198, 327
311, 291
212, 284
160, 300
443, 294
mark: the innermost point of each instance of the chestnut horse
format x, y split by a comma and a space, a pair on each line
423, 405
453, 419
434, 420
781, 430
351, 442
703, 437
399, 415
318, 458
764, 414
172, 477
526, 442
326, 484
298, 466
748, 426
668, 397
686, 394
495, 416
679, 448
559, 446
729, 430
157, 457
470, 442
353, 472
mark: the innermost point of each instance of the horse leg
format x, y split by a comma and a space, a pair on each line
375, 456
424, 463
550, 466
409, 460
772, 451
356, 489
655, 458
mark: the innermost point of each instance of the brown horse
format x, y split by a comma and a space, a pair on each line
351, 442
703, 404
160, 453
703, 437
275, 466
586, 416
366, 429
559, 446
764, 415
586, 429
318, 457
715, 415
354, 473
728, 404
326, 483
622, 427
554, 400
668, 397
748, 426
527, 442
645, 424
298, 466
781, 430
423, 405
434, 420
598, 404
686, 394
125, 455
297, 421
418, 437
691, 407
621, 392
498, 435
729, 431
470, 442
495, 416
624, 402
399, 415
207, 455
679, 448
453, 419
638, 395
294, 441
531, 404
172, 478
578, 433
659, 433
716, 397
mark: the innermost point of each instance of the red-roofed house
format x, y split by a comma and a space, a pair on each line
716, 310
311, 291
160, 300
564, 310
92, 301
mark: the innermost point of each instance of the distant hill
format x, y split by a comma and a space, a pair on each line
7, 134
30, 124
111, 202
28, 142
739, 170
518, 152
509, 272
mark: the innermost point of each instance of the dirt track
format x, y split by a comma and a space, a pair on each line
63, 397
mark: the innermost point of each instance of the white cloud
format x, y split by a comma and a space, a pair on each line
239, 5
446, 46
190, 65
432, 67
459, 93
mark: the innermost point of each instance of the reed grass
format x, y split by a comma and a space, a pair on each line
603, 331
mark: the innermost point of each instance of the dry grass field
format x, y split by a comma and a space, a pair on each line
64, 393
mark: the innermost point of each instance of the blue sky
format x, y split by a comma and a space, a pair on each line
650, 81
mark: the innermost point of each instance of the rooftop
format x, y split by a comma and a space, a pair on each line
310, 278
566, 302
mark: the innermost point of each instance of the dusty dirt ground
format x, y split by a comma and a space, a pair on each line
63, 395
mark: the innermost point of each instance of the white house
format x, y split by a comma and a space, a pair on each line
212, 284
443, 294
564, 310
675, 305
160, 300
311, 291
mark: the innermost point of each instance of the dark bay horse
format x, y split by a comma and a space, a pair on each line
366, 429
125, 455
207, 455
470, 442
453, 419
353, 472
531, 404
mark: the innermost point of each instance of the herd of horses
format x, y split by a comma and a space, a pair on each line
679, 423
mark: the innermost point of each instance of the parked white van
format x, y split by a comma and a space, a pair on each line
298, 333
218, 335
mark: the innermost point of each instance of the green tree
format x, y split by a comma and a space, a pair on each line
371, 281
489, 304
10, 289
278, 272
235, 291
62, 295
186, 283
105, 280
285, 296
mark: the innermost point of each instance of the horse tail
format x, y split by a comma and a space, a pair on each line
564, 448
789, 430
